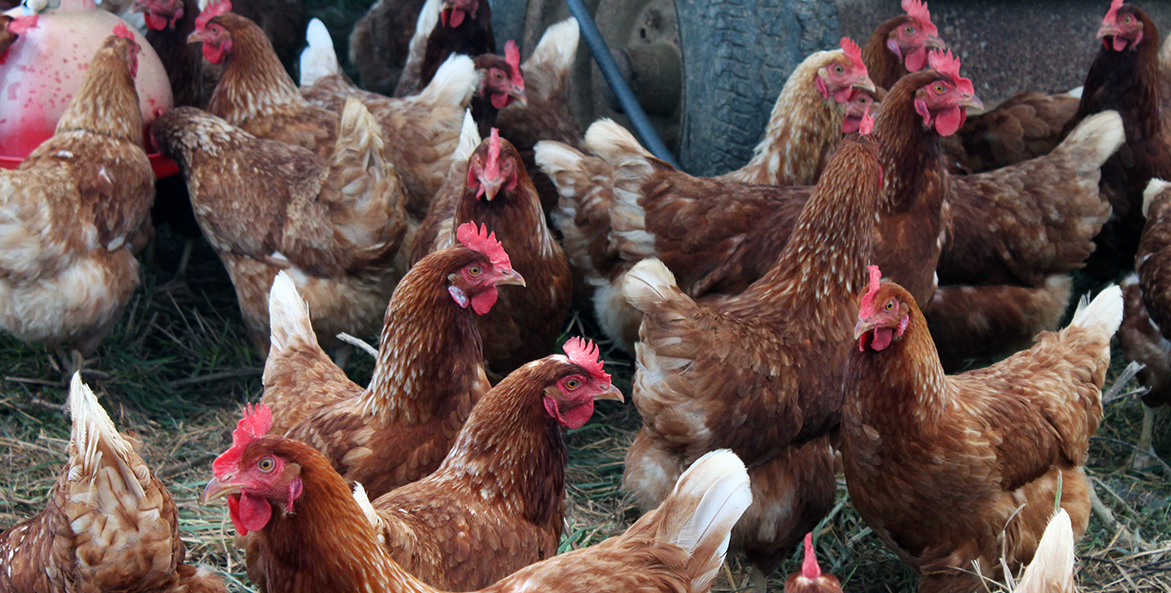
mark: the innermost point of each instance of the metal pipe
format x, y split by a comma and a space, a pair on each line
642, 126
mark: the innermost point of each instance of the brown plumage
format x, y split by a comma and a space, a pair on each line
76, 211
1141, 341
255, 93
1132, 81
910, 35
459, 27
109, 523
1026, 126
497, 504
336, 226
495, 189
675, 548
951, 470
380, 41
760, 372
283, 23
429, 372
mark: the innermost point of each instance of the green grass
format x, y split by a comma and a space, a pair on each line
178, 367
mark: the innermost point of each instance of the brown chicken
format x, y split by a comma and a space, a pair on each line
335, 227
958, 473
719, 236
380, 40
255, 93
169, 23
1052, 568
109, 523
810, 579
1013, 235
501, 84
807, 118
760, 372
1141, 341
899, 45
497, 504
1127, 76
429, 373
282, 21
1025, 126
445, 28
496, 191
76, 211
303, 516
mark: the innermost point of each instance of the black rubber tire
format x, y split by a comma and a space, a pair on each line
736, 57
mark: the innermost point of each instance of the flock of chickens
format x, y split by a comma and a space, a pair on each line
790, 320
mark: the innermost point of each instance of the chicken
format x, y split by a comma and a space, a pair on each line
501, 84
494, 189
335, 227
1051, 570
899, 45
75, 212
1014, 235
719, 236
1143, 338
380, 40
169, 23
760, 372
421, 131
255, 93
959, 473
445, 28
497, 504
429, 372
810, 579
1127, 76
303, 513
109, 523
281, 20
1025, 126
807, 118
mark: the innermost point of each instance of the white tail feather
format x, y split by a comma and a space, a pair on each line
288, 315
93, 432
1154, 188
720, 479
469, 139
1076, 92
1104, 312
428, 18
611, 141
318, 59
1102, 131
454, 84
558, 46
647, 283
1051, 570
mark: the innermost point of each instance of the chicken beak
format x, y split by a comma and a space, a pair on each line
195, 37
934, 42
1107, 31
861, 328
611, 393
518, 94
217, 489
511, 277
972, 102
865, 84
491, 187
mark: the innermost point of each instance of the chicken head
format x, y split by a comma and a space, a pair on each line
861, 102
493, 167
501, 79
883, 314
216, 39
943, 102
913, 37
453, 12
570, 399
254, 477
476, 281
160, 15
1121, 28
842, 75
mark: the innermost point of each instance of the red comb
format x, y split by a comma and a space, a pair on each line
512, 56
213, 10
484, 242
947, 64
868, 300
867, 124
854, 53
120, 30
918, 10
809, 567
1112, 14
255, 423
584, 353
492, 167
21, 24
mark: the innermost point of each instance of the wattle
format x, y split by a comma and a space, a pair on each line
843, 95
949, 122
573, 417
500, 100
482, 303
916, 60
156, 22
253, 513
1119, 43
457, 17
883, 336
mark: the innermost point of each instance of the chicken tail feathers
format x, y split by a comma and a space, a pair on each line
288, 316
94, 443
699, 514
1154, 189
1100, 134
1051, 570
1103, 313
318, 60
558, 46
454, 83
469, 140
648, 283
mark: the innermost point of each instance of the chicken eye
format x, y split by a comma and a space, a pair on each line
889, 305
939, 88
1126, 20
573, 383
838, 69
266, 464
474, 270
497, 75
909, 30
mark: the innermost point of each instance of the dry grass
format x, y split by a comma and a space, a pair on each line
179, 366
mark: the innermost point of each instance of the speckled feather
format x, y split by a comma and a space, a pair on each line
1153, 264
